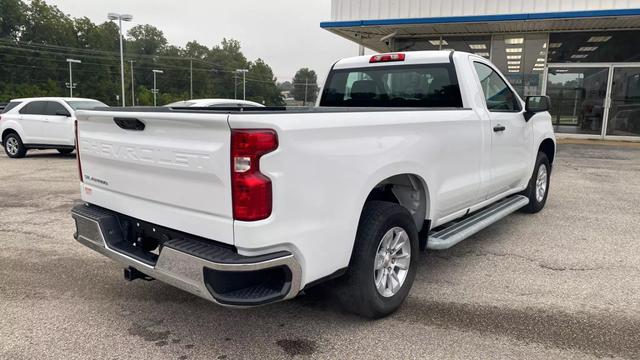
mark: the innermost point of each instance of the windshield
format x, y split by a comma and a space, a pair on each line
85, 104
433, 85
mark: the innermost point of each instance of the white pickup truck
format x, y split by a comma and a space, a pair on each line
404, 151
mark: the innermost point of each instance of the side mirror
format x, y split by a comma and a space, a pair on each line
536, 104
63, 113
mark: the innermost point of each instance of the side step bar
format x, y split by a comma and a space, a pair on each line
451, 235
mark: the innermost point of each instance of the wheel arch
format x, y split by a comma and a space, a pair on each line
407, 189
548, 147
8, 131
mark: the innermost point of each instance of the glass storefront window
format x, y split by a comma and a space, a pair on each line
590, 47
577, 98
579, 65
624, 113
521, 58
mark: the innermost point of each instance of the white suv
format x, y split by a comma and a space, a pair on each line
41, 123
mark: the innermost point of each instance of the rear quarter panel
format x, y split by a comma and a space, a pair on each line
327, 163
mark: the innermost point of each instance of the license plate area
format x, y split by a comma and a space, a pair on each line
141, 240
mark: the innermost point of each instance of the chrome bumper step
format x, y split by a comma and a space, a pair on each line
451, 235
202, 267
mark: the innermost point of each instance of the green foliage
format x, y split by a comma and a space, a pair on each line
262, 89
305, 85
37, 38
12, 17
47, 24
146, 40
285, 86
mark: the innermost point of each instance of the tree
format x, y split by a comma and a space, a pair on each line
48, 25
146, 40
285, 86
305, 85
195, 50
37, 38
226, 58
12, 18
261, 85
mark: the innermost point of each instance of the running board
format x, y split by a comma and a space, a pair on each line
451, 235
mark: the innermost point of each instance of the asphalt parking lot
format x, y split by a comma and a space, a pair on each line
564, 283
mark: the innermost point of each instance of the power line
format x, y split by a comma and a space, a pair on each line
96, 51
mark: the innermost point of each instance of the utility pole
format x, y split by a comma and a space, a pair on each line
155, 88
191, 79
306, 85
235, 85
244, 82
71, 84
133, 91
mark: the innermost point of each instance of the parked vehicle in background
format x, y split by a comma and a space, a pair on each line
2, 106
41, 123
215, 103
405, 151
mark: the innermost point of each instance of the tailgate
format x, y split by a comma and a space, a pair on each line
174, 172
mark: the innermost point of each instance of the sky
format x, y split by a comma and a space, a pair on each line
284, 33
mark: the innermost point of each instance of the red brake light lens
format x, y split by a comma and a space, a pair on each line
251, 190
387, 58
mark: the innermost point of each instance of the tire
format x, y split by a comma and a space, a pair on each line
537, 200
13, 146
357, 290
65, 151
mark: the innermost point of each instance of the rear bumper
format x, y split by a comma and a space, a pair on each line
202, 267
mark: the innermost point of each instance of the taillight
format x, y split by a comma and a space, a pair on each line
78, 150
386, 58
251, 190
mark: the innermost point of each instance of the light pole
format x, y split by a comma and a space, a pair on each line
121, 18
133, 91
71, 61
155, 89
244, 82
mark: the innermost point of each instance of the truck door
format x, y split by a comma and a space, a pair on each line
511, 135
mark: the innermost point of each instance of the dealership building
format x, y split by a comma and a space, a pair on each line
583, 54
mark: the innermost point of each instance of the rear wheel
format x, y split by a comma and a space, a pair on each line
538, 187
65, 151
13, 146
383, 263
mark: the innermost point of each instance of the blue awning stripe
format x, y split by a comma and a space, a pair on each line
483, 18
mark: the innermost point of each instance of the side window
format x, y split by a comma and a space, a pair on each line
55, 109
10, 106
497, 94
34, 108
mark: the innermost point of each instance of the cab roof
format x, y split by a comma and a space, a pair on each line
411, 58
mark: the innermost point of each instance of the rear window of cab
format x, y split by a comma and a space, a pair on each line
424, 86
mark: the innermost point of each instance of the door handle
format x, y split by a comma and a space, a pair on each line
499, 128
